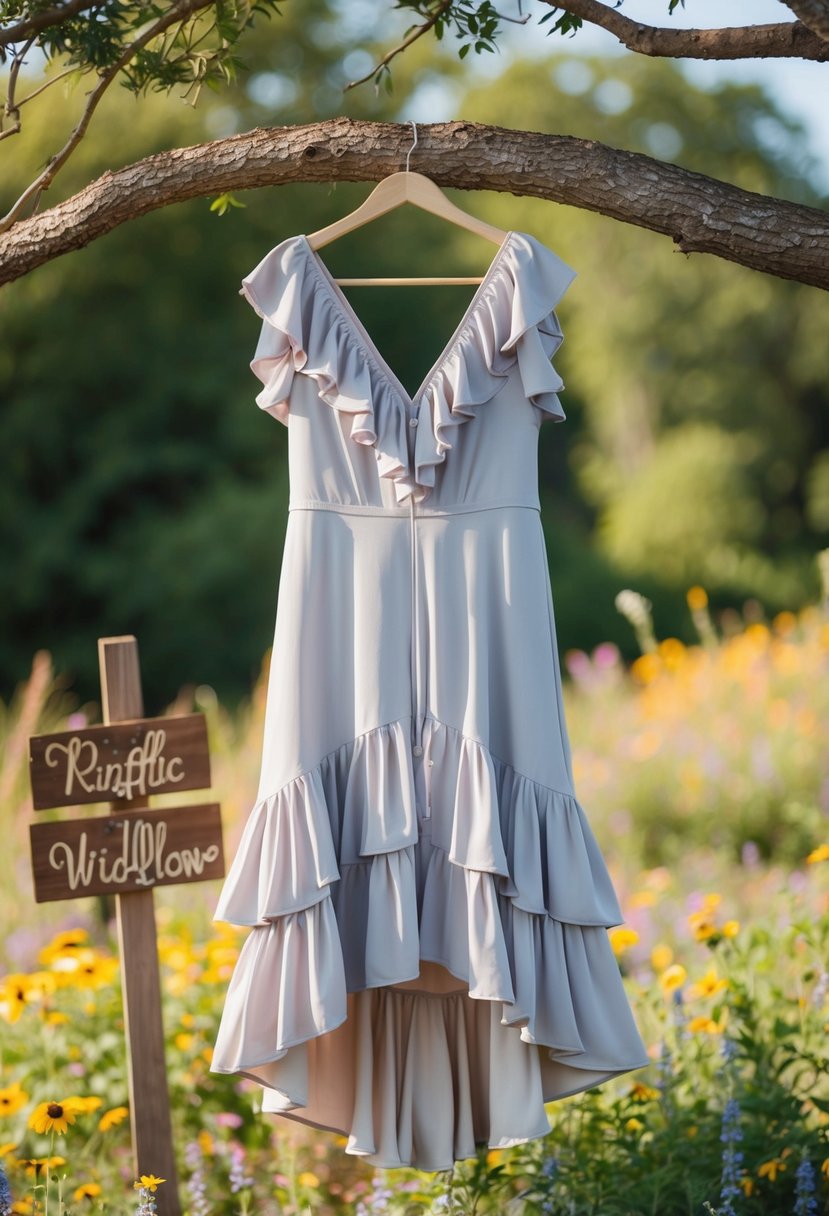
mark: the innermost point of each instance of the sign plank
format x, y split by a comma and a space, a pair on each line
124, 760
134, 851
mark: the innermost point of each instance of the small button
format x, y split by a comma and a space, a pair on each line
412, 422
417, 751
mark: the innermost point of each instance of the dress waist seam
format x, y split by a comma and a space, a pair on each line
404, 512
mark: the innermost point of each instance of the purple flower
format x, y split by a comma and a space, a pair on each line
239, 1180
196, 1183
5, 1194
805, 1201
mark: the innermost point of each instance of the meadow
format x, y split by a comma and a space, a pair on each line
703, 770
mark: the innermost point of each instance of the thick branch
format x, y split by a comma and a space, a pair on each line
700, 214
789, 39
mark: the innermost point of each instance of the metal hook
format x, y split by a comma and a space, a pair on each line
414, 144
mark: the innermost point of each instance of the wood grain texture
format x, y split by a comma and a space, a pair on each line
100, 763
150, 1123
136, 851
699, 214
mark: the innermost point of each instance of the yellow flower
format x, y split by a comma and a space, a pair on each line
35, 1165
14, 993
86, 968
54, 1116
661, 956
770, 1169
85, 1106
821, 853
494, 1156
205, 1142
111, 1118
184, 1041
703, 927
308, 1179
634, 1125
696, 598
22, 1207
646, 668
62, 943
621, 938
12, 1099
642, 1092
148, 1182
707, 986
673, 977
705, 1024
54, 1017
747, 1184
824, 1166
7, 1148
89, 1190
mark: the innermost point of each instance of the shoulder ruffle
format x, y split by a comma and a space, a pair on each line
304, 330
513, 321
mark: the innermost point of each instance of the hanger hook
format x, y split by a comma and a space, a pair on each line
414, 143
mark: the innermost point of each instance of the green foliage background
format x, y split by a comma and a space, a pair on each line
141, 491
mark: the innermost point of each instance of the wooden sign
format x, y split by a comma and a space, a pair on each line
128, 853
119, 760
135, 851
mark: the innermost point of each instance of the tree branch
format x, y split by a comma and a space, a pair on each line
417, 32
789, 39
813, 13
700, 214
42, 21
179, 12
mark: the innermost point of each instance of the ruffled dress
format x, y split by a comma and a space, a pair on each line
428, 960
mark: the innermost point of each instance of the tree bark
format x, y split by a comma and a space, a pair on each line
700, 214
788, 39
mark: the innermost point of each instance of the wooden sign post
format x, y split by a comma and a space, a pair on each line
127, 853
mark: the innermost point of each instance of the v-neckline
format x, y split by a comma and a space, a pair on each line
411, 401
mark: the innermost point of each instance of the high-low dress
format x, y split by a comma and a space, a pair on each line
428, 960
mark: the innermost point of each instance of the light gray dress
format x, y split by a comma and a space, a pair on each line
428, 961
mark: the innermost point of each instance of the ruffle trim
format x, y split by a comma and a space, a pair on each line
504, 886
510, 321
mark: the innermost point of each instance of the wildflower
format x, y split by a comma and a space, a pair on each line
642, 1093
805, 1201
54, 1116
86, 968
196, 1183
85, 1106
621, 938
12, 1099
821, 853
696, 598
34, 1166
672, 977
661, 956
308, 1179
634, 1125
705, 1024
111, 1118
5, 1194
14, 991
62, 943
148, 1182
730, 928
88, 1190
237, 1177
709, 985
770, 1169
731, 1157
378, 1200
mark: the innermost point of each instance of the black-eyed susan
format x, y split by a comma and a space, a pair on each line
821, 853
672, 977
87, 1190
54, 1116
63, 943
111, 1118
148, 1182
12, 1099
621, 938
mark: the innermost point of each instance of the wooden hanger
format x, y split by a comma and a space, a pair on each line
391, 192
